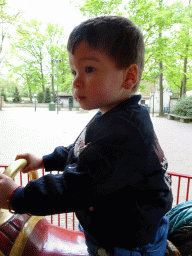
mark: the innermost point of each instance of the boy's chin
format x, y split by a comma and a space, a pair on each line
88, 108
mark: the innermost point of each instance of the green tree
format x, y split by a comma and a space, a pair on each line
58, 66
30, 75
43, 57
47, 95
186, 29
8, 20
3, 94
93, 8
40, 97
54, 35
155, 20
178, 65
184, 107
64, 72
30, 48
8, 86
16, 96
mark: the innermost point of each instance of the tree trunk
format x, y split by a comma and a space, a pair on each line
42, 78
52, 77
29, 88
30, 94
52, 83
184, 81
161, 112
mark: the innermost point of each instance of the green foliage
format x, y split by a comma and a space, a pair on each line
40, 97
178, 61
8, 85
57, 55
54, 97
66, 87
184, 107
29, 48
42, 56
30, 75
9, 19
142, 87
93, 8
16, 96
4, 94
47, 95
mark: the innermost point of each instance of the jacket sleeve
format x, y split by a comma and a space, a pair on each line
58, 159
51, 194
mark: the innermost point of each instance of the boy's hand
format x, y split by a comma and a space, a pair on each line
33, 163
7, 185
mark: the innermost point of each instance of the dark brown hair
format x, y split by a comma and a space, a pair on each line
119, 37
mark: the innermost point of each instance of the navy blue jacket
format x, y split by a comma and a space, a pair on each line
114, 177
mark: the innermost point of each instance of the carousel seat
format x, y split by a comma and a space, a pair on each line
32, 235
26, 235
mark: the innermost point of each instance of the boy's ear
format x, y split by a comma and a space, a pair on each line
131, 75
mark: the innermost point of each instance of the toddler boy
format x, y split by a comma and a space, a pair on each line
114, 175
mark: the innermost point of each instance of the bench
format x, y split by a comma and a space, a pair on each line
183, 119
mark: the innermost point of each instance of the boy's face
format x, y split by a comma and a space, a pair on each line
97, 83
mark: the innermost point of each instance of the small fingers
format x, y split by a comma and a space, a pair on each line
26, 170
23, 156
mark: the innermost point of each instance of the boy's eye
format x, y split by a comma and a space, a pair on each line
89, 69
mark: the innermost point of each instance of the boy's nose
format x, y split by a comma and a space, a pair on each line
77, 83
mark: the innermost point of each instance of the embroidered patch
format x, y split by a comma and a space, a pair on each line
80, 144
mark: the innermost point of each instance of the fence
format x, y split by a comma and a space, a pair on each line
181, 186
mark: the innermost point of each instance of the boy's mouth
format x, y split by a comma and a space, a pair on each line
80, 98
